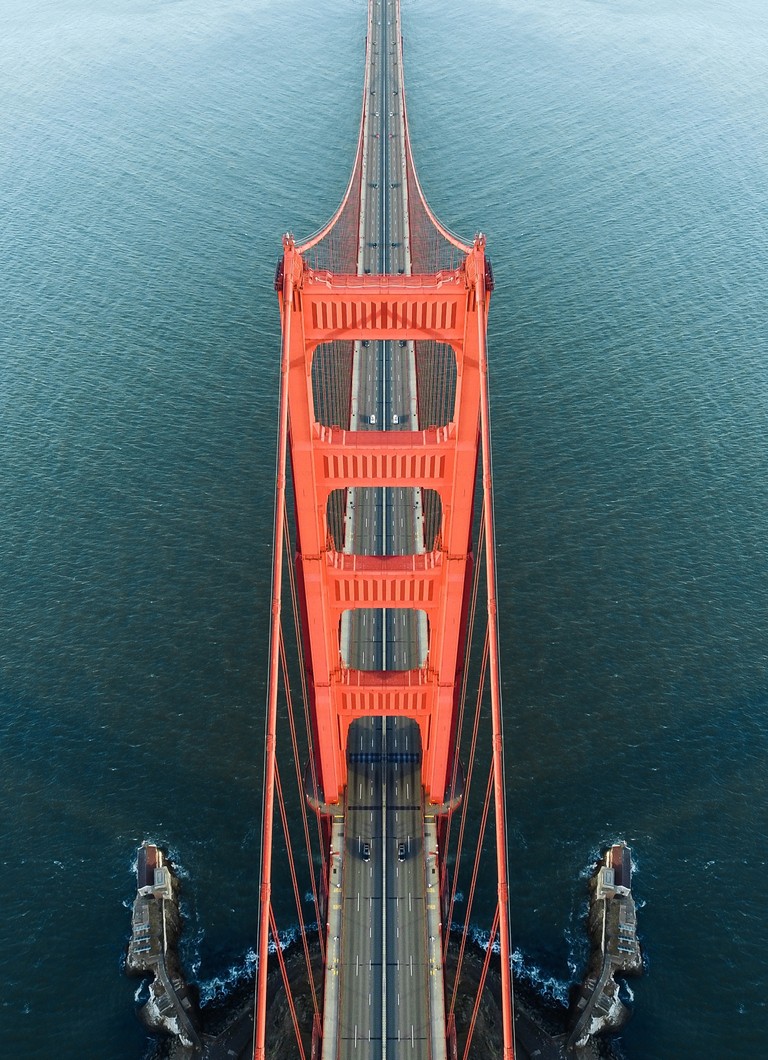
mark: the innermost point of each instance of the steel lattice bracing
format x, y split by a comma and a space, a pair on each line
385, 293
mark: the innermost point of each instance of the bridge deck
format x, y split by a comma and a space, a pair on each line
383, 985
384, 971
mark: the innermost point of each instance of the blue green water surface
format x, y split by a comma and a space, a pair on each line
152, 152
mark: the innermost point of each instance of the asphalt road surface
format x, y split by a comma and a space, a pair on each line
384, 1000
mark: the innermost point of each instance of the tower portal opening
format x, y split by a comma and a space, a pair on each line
386, 638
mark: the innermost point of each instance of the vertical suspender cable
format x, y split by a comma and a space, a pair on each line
302, 801
462, 708
286, 983
304, 696
300, 788
473, 885
483, 976
296, 894
467, 786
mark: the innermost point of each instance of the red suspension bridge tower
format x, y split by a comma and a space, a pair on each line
383, 426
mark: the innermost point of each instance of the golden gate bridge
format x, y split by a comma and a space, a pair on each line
384, 592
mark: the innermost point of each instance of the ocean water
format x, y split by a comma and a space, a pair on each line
152, 153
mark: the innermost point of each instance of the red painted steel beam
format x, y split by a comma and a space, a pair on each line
413, 582
383, 458
384, 307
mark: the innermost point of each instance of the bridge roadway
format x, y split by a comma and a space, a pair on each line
384, 521
384, 973
384, 1007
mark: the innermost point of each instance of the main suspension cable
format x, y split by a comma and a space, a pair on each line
270, 743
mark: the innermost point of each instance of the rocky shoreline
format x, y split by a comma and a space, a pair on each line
612, 926
541, 1024
223, 1029
153, 950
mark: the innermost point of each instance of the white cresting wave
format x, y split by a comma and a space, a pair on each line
218, 987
